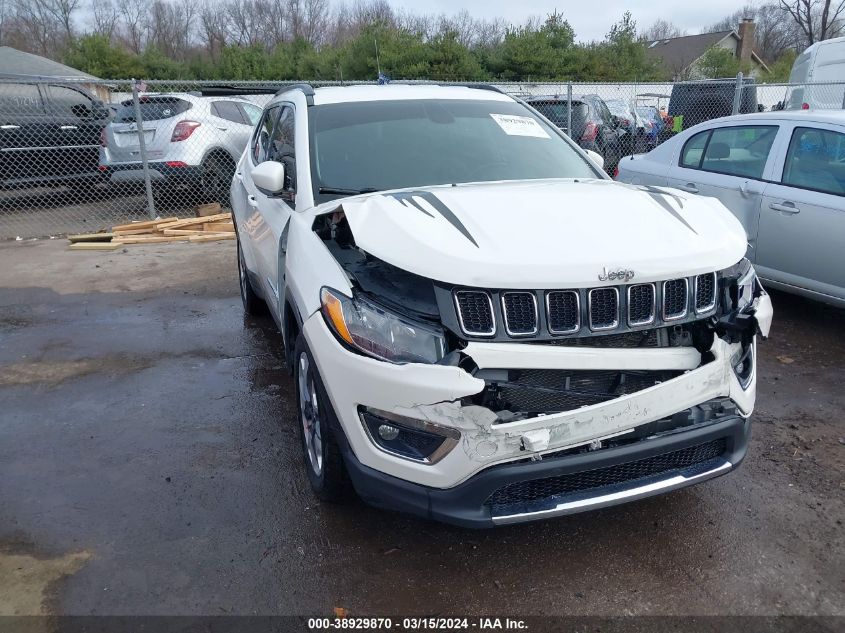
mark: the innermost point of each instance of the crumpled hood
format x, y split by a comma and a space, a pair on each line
545, 234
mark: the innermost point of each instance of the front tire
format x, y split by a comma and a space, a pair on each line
320, 451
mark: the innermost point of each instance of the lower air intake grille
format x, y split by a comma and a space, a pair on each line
604, 308
475, 311
674, 299
520, 310
550, 487
563, 311
705, 292
641, 304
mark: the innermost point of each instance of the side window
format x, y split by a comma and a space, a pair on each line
694, 150
69, 102
261, 140
816, 160
228, 110
739, 151
252, 113
20, 99
282, 146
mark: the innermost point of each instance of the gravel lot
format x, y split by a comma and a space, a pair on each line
149, 464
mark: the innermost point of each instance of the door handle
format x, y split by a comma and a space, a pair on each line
785, 207
9, 126
221, 128
68, 128
690, 186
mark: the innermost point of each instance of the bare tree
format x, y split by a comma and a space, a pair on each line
775, 31
38, 25
661, 30
104, 18
135, 26
818, 19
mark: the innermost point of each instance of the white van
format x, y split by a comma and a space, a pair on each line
821, 62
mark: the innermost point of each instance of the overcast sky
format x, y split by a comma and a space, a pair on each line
591, 19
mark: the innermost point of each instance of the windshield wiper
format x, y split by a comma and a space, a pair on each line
346, 192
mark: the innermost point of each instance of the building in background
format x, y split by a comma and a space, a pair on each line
20, 66
680, 57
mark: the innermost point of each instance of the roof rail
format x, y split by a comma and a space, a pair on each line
306, 89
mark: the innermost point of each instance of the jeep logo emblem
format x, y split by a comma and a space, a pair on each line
622, 274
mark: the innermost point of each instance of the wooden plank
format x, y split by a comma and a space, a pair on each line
183, 232
94, 246
178, 224
90, 237
140, 225
153, 240
205, 210
219, 226
150, 229
211, 237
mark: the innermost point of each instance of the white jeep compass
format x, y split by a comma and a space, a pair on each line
482, 327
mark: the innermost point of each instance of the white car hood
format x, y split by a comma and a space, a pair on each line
545, 233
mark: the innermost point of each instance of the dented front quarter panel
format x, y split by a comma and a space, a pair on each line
433, 393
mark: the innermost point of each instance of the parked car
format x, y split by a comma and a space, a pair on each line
593, 125
822, 62
783, 175
192, 143
656, 124
637, 128
698, 101
482, 327
49, 133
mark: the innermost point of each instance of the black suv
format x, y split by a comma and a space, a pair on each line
49, 133
593, 126
699, 101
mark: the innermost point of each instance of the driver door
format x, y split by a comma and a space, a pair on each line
269, 214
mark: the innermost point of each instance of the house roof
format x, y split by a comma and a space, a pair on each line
678, 53
18, 64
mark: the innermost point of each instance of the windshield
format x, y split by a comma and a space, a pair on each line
378, 145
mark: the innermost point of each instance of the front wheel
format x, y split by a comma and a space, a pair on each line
323, 461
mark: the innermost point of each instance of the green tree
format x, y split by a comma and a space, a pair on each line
96, 55
622, 56
535, 54
718, 63
779, 71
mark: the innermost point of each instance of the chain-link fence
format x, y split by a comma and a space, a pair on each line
80, 157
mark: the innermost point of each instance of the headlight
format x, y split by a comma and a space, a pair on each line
745, 287
744, 283
376, 332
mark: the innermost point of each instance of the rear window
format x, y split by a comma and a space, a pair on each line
556, 111
152, 109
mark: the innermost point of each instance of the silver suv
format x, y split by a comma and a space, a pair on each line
192, 142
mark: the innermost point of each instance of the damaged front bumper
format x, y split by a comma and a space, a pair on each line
498, 471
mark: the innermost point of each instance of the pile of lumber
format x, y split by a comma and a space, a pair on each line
207, 228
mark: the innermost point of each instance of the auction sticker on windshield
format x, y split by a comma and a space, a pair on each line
515, 125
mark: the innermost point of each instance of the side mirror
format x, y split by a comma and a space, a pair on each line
596, 158
269, 177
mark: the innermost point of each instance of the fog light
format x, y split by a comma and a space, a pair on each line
743, 364
387, 432
410, 438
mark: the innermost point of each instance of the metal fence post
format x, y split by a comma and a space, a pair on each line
139, 124
738, 94
569, 109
